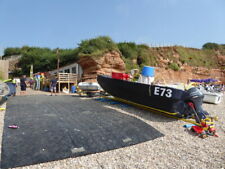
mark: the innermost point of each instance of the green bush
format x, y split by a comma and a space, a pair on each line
128, 49
96, 46
214, 46
174, 66
209, 45
141, 53
146, 56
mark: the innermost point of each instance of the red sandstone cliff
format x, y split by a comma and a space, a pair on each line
109, 62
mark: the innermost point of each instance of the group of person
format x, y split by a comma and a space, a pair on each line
35, 84
212, 87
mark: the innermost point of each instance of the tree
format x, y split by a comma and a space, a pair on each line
209, 45
43, 59
68, 56
12, 51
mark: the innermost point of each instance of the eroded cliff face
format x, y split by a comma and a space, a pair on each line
108, 63
112, 62
170, 76
221, 59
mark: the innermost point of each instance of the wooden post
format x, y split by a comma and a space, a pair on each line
57, 54
58, 82
69, 87
77, 70
68, 82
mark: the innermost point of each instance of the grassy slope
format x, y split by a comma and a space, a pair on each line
193, 57
178, 55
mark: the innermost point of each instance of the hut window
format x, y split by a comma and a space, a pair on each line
74, 70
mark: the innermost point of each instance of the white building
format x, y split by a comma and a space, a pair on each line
72, 68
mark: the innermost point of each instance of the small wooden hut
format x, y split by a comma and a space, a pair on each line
67, 78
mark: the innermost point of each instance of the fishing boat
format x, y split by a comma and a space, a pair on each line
185, 105
172, 101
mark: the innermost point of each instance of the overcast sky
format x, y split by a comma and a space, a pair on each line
64, 23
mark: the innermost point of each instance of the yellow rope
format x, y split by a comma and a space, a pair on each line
165, 113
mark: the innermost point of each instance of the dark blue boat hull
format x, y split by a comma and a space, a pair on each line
166, 99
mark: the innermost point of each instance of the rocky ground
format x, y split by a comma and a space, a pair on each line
177, 149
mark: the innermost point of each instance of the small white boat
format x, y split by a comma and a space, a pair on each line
4, 89
209, 97
212, 97
89, 86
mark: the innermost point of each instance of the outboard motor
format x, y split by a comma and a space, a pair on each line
194, 98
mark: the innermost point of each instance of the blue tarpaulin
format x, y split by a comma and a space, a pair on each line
203, 80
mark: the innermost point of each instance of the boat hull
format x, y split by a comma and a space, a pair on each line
162, 98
